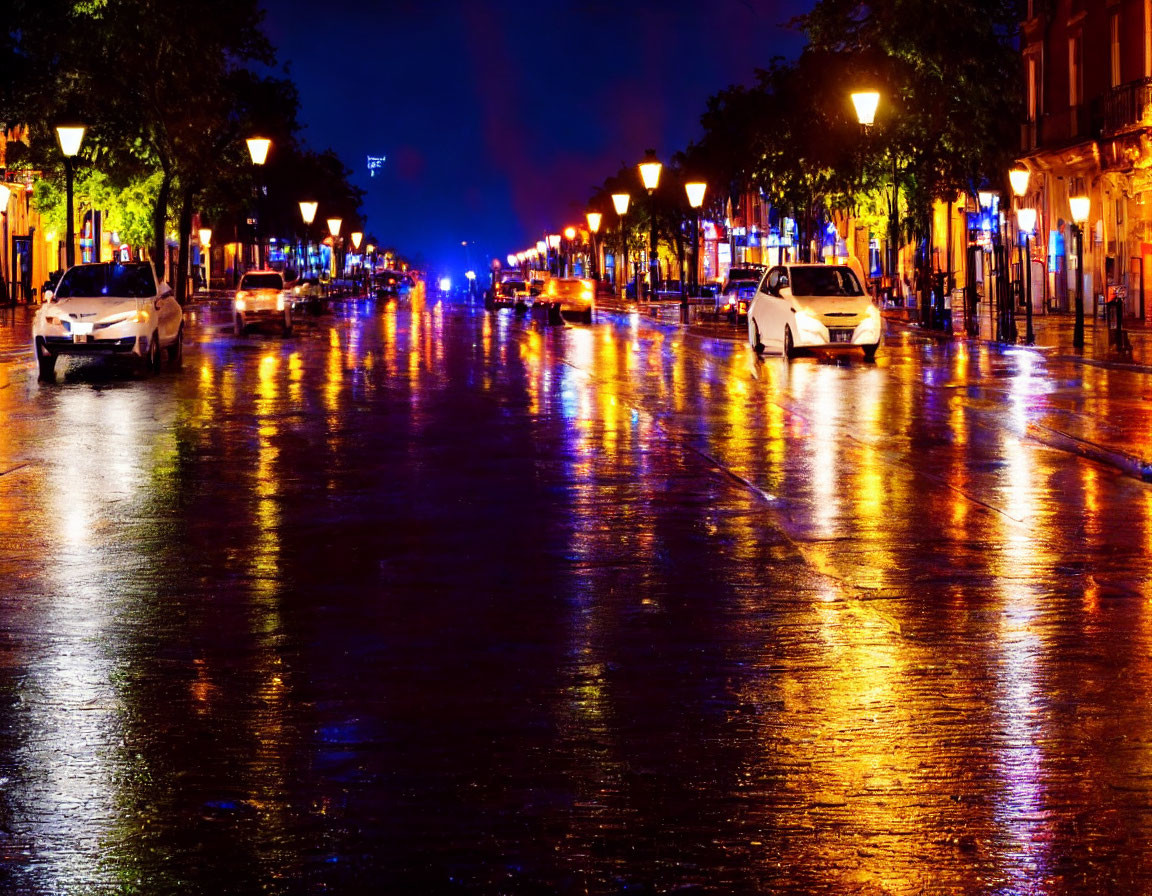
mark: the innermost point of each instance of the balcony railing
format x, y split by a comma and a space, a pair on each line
1125, 107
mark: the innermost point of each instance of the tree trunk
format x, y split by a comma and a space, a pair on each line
187, 198
159, 220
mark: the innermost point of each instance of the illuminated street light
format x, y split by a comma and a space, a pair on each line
258, 150
5, 195
594, 219
334, 230
1026, 224
620, 202
1080, 207
308, 211
1018, 178
206, 251
650, 170
866, 102
695, 191
70, 137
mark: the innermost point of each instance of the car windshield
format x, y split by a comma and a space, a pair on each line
120, 281
825, 281
743, 274
262, 281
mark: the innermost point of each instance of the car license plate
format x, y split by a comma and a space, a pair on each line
81, 329
841, 335
80, 337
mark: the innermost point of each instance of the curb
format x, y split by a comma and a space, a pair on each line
1111, 457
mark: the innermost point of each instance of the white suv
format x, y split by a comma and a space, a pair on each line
111, 309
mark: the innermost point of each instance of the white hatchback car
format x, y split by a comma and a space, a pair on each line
111, 309
813, 306
262, 298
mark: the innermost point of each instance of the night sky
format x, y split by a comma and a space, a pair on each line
499, 118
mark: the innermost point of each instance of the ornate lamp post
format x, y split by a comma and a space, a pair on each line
1080, 207
569, 236
334, 230
1018, 178
356, 236
554, 250
308, 214
620, 203
5, 195
70, 137
258, 150
1026, 224
206, 249
594, 219
650, 170
695, 191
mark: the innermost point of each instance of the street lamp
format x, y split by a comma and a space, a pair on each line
70, 137
206, 250
1080, 207
5, 195
258, 150
620, 202
594, 219
356, 236
1026, 224
866, 102
334, 230
695, 191
569, 236
1018, 178
308, 214
554, 249
650, 170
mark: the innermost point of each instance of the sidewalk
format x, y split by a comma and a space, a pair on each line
1097, 417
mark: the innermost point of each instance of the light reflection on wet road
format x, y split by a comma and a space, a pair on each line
427, 599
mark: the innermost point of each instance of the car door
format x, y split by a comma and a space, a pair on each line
771, 316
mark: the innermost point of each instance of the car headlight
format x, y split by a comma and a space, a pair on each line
279, 303
806, 321
240, 304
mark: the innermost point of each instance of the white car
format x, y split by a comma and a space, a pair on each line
112, 309
813, 306
262, 298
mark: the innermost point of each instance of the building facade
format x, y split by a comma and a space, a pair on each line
1087, 68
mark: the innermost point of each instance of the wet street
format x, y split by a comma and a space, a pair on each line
425, 599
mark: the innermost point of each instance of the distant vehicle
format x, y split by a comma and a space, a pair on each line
813, 306
393, 283
112, 309
262, 299
736, 295
508, 292
572, 297
308, 296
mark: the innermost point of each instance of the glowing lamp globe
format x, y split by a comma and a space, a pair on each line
866, 102
258, 149
1026, 220
1080, 206
620, 201
695, 193
594, 219
1018, 178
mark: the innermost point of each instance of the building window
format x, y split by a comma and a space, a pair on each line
1114, 56
1075, 74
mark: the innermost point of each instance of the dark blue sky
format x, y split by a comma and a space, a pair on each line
499, 118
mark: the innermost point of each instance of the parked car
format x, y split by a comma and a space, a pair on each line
308, 296
571, 297
393, 284
736, 294
262, 299
813, 306
508, 292
114, 309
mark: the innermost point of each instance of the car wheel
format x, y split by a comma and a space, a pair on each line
755, 341
870, 351
789, 345
238, 325
588, 317
45, 360
176, 350
149, 361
